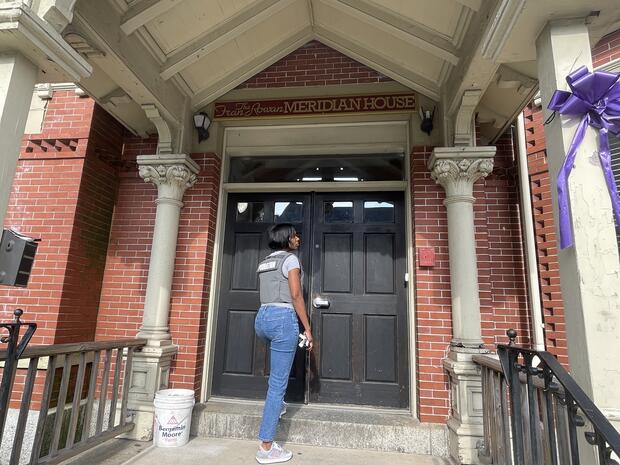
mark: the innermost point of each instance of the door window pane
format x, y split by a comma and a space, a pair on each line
250, 212
338, 212
378, 212
288, 212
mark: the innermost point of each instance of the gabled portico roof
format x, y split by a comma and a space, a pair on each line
471, 56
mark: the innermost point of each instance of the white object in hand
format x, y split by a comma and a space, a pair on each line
303, 341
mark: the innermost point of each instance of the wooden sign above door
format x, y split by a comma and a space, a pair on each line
314, 106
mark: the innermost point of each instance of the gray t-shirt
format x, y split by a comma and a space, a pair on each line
289, 264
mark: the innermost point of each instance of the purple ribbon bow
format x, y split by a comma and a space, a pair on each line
596, 98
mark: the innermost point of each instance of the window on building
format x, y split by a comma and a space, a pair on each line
379, 167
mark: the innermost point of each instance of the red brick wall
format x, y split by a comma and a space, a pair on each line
124, 280
607, 50
314, 64
91, 229
503, 295
499, 247
124, 283
433, 305
42, 204
545, 234
64, 192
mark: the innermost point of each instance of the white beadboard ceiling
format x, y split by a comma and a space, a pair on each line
160, 51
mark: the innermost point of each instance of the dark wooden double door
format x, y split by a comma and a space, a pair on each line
353, 255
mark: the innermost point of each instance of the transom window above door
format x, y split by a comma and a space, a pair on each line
346, 168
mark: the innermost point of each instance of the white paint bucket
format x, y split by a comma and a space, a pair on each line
173, 417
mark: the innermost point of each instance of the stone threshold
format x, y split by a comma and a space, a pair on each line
341, 426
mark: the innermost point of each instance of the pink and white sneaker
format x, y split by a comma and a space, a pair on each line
276, 454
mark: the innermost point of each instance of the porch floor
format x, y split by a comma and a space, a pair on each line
210, 451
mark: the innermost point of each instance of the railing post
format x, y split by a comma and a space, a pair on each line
14, 350
541, 390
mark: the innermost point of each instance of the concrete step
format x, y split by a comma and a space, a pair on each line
207, 451
325, 425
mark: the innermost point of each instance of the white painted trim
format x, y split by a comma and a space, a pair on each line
323, 149
489, 116
612, 66
251, 67
461, 28
473, 5
531, 260
473, 72
144, 11
364, 186
397, 25
332, 90
464, 121
238, 24
225, 188
377, 62
214, 293
310, 8
501, 27
145, 37
142, 81
164, 141
411, 270
40, 42
344, 149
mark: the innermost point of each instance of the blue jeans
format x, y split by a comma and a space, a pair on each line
279, 327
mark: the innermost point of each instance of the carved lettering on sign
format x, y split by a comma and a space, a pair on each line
307, 106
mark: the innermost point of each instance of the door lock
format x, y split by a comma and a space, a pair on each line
319, 302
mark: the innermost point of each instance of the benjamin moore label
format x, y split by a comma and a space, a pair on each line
315, 105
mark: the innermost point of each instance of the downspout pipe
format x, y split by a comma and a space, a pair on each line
527, 222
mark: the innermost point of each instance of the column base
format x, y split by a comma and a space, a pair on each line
465, 425
467, 346
463, 442
155, 338
150, 373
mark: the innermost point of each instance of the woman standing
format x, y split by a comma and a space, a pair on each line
282, 302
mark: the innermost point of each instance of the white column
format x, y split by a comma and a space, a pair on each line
456, 169
590, 269
17, 80
172, 174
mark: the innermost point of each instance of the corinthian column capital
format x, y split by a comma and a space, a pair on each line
456, 169
172, 174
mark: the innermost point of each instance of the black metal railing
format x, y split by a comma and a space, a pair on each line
82, 390
534, 411
15, 349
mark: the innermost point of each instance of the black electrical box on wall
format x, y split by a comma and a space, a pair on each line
16, 258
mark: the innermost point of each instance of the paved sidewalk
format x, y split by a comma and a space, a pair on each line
209, 451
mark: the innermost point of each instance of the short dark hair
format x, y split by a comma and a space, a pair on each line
279, 235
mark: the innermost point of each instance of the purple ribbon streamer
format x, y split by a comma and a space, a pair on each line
595, 98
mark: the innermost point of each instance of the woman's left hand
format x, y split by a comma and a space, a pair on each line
308, 335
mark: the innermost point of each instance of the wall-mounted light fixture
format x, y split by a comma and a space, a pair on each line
427, 120
202, 123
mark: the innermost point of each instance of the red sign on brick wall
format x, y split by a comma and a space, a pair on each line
315, 105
